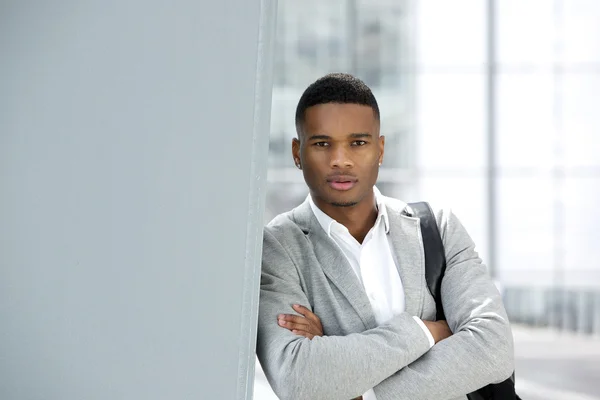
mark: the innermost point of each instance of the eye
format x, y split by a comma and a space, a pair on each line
321, 144
359, 143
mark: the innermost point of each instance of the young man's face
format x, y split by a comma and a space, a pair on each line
339, 151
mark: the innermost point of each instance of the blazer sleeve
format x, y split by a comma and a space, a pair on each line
328, 367
480, 351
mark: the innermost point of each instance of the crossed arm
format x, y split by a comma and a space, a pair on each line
326, 367
331, 367
308, 325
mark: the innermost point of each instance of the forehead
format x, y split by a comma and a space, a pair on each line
334, 118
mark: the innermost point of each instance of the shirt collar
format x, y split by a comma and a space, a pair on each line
327, 222
382, 209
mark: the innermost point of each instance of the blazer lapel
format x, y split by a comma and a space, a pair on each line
407, 247
335, 265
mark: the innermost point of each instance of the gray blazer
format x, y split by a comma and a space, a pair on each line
302, 265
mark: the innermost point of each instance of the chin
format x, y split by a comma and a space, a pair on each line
349, 198
342, 201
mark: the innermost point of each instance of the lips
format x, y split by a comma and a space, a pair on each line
341, 182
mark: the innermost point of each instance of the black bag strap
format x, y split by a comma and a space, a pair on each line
435, 257
435, 267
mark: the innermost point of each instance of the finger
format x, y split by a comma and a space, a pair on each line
293, 325
294, 318
305, 311
307, 335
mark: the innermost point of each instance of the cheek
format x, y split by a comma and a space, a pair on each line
315, 160
371, 160
312, 170
371, 167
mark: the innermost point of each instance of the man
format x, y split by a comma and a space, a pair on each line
344, 306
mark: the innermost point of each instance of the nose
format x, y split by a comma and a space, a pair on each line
340, 158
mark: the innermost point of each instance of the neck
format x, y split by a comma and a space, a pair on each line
358, 219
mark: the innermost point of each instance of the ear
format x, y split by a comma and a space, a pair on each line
296, 153
381, 148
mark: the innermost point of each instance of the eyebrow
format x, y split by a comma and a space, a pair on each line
352, 135
319, 137
360, 135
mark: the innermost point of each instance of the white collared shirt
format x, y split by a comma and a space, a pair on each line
374, 265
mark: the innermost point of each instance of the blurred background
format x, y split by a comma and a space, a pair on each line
490, 108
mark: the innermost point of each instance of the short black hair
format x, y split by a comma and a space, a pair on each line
338, 88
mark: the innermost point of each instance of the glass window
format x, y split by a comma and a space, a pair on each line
525, 111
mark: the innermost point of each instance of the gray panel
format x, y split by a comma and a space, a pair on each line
133, 148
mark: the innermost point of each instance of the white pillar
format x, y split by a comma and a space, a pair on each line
133, 155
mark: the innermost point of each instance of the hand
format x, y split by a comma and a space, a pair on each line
439, 330
308, 326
